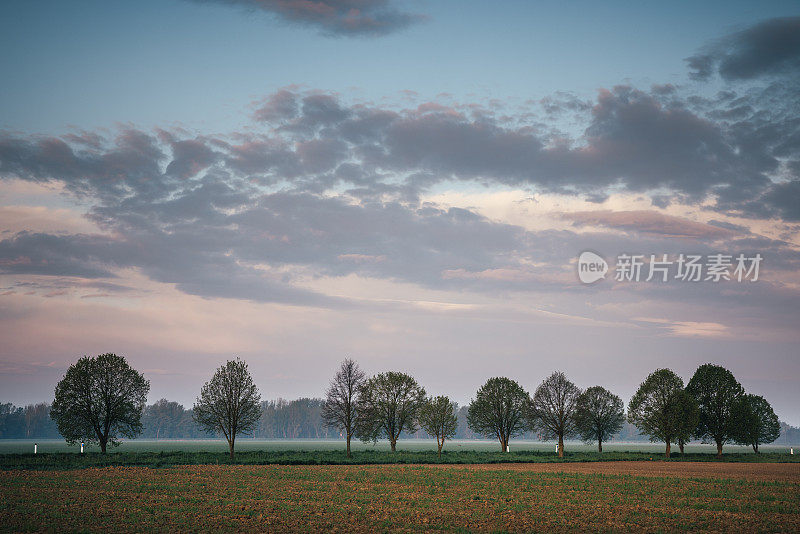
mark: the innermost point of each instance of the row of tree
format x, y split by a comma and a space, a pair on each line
102, 398
280, 419
31, 421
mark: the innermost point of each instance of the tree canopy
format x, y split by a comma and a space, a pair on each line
499, 410
99, 400
229, 403
715, 389
599, 414
552, 409
437, 417
687, 414
388, 403
655, 408
754, 421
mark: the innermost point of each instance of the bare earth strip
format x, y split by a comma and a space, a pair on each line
784, 472
624, 496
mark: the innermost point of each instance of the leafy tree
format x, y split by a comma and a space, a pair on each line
499, 410
229, 402
12, 421
599, 414
688, 415
100, 399
388, 403
553, 408
437, 417
715, 389
38, 423
754, 421
340, 406
655, 408
163, 418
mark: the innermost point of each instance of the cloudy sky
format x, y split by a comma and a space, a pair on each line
406, 183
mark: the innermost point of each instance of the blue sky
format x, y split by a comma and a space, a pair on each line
408, 184
93, 64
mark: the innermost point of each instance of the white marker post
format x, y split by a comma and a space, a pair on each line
81, 447
35, 446
508, 449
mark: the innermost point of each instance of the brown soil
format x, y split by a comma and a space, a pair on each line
785, 472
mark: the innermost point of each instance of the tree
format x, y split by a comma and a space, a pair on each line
499, 410
12, 421
687, 414
754, 421
340, 406
38, 423
599, 414
229, 402
655, 407
437, 417
553, 408
100, 399
163, 418
388, 404
715, 389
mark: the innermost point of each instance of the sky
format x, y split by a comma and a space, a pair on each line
409, 184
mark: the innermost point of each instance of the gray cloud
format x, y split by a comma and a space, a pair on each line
771, 47
331, 188
370, 18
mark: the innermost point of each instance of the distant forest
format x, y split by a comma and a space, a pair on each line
280, 419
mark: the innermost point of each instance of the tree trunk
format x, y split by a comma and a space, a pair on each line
103, 446
393, 444
680, 446
440, 443
230, 447
503, 444
669, 446
755, 448
719, 450
599, 446
348, 446
560, 446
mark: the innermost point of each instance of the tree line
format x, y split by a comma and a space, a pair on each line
280, 419
101, 399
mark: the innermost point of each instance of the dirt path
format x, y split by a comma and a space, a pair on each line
786, 472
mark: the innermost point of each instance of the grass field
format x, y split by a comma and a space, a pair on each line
53, 455
531, 497
244, 445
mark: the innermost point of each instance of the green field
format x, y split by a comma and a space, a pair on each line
57, 455
215, 445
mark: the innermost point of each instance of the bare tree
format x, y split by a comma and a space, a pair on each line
341, 400
437, 417
229, 402
553, 408
499, 410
